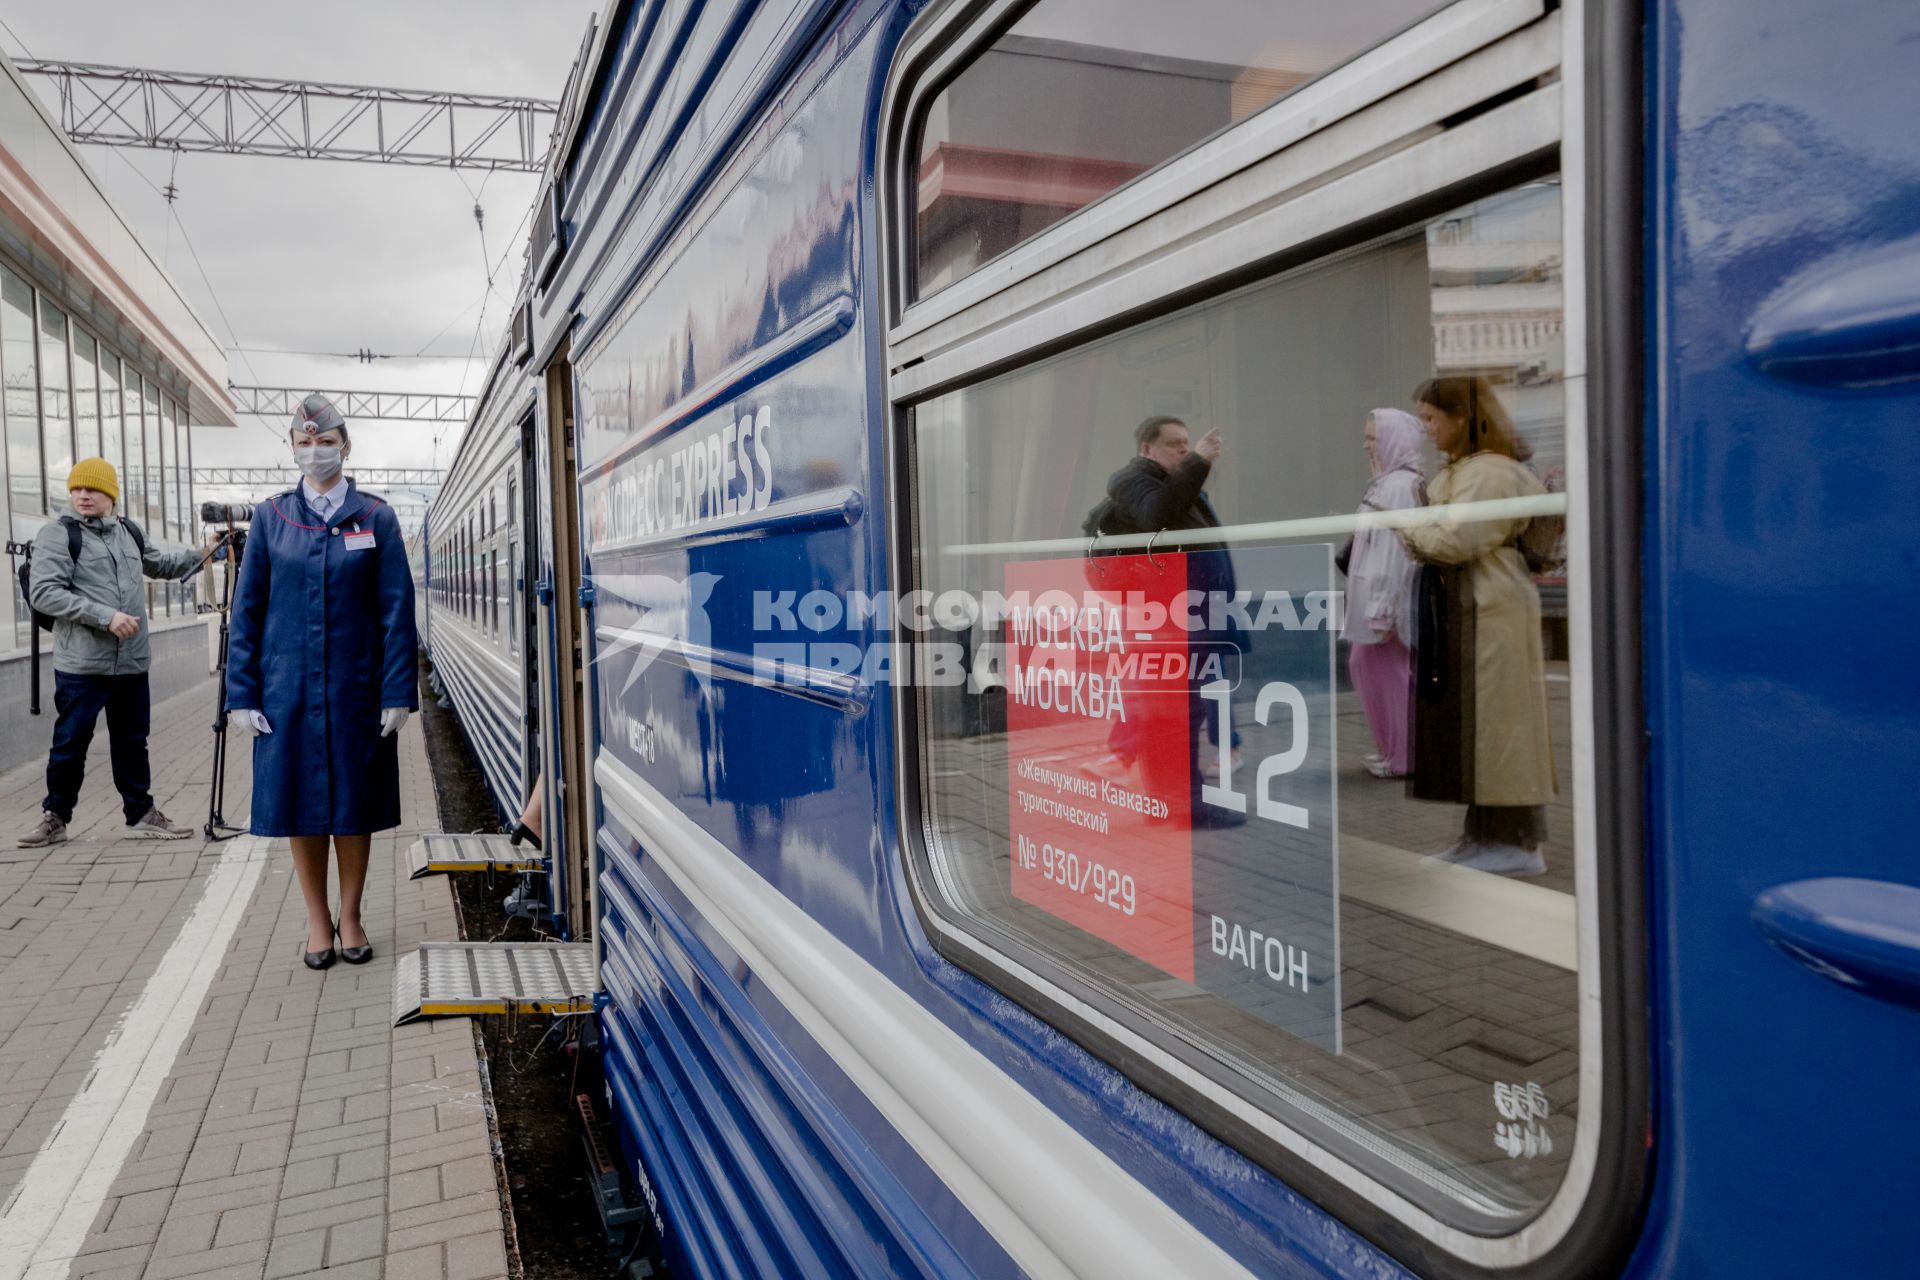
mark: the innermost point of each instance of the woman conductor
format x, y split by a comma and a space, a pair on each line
320, 665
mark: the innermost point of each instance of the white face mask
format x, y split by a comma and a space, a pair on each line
319, 461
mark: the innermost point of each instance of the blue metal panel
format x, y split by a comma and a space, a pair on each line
756, 264
1782, 601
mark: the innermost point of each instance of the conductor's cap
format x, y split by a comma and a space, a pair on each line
316, 414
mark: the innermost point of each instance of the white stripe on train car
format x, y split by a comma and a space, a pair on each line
1056, 1203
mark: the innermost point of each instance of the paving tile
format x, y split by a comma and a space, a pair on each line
297, 1130
356, 1241
426, 1262
476, 1257
296, 1253
238, 1226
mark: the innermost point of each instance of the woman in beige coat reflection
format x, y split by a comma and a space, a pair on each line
1480, 699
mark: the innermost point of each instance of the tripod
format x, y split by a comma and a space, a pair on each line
218, 828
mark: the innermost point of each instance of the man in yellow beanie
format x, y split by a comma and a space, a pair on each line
88, 576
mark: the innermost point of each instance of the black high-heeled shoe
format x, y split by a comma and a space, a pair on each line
521, 831
353, 955
319, 959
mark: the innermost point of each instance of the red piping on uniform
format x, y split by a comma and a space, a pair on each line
311, 528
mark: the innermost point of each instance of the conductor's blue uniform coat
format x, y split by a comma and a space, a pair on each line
322, 639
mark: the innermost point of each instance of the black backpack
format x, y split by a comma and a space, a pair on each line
44, 621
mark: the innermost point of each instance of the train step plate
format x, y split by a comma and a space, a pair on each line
441, 852
454, 979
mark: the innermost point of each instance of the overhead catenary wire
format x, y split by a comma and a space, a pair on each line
25, 52
169, 196
486, 297
364, 356
173, 214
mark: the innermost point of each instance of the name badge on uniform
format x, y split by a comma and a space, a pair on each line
360, 540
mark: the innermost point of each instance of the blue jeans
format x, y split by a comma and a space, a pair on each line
78, 700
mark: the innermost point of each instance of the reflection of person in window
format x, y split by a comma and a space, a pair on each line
1380, 593
1161, 488
1480, 711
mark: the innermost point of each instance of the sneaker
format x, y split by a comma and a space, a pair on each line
1505, 860
156, 827
49, 830
1453, 853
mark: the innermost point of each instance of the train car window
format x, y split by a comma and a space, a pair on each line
1079, 97
513, 571
1289, 796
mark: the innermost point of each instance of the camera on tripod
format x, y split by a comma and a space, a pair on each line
233, 515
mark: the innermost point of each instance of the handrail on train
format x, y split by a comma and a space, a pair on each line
1452, 513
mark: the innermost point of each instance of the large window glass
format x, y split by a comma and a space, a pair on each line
171, 477
156, 481
188, 511
20, 367
1265, 747
86, 396
1081, 96
133, 481
112, 434
56, 403
170, 431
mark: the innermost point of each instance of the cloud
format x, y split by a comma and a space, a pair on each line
307, 255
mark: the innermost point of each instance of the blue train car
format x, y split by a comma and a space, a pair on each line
475, 608
986, 884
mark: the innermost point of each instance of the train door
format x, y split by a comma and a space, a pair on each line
523, 571
567, 797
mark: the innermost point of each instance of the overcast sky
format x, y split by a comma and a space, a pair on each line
313, 255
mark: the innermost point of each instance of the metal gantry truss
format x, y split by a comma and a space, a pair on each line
264, 116
405, 406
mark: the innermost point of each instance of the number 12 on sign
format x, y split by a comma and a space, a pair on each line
1276, 693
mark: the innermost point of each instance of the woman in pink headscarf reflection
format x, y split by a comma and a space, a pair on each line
1380, 616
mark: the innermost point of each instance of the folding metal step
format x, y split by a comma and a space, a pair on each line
454, 979
443, 852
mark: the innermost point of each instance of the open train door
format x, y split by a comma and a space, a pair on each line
563, 657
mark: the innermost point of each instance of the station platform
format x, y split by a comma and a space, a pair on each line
180, 1097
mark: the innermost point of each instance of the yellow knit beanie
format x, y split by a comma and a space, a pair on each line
97, 474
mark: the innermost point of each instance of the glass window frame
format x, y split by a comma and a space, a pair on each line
1004, 18
133, 443
984, 325
78, 339
42, 306
116, 455
513, 568
31, 342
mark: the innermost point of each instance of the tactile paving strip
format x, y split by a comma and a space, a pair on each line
458, 978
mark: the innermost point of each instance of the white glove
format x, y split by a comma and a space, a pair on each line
392, 719
252, 721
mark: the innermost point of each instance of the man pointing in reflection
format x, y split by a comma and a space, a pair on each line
1162, 488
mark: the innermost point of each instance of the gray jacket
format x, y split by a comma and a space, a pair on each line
83, 595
